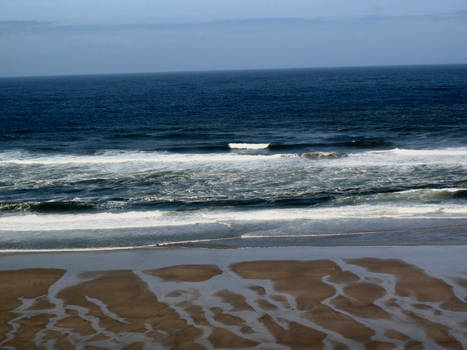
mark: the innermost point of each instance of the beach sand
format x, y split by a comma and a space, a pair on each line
274, 298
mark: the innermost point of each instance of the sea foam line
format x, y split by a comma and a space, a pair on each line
208, 240
107, 249
393, 157
135, 157
451, 151
147, 219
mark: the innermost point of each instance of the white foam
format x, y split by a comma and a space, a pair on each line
249, 145
431, 152
131, 157
434, 190
411, 157
394, 157
159, 218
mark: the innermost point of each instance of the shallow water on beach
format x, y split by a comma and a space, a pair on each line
262, 158
274, 298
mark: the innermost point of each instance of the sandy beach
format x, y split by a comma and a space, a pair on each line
275, 298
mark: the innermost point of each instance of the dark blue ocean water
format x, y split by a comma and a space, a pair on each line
310, 156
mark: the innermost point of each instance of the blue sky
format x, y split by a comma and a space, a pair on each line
49, 37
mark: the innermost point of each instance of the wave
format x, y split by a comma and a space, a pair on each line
290, 199
48, 206
434, 194
148, 202
194, 148
226, 218
118, 157
461, 151
404, 157
413, 195
322, 155
252, 146
268, 200
392, 157
353, 144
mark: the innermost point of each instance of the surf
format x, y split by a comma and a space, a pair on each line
164, 218
250, 146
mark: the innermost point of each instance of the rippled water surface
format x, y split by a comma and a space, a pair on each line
328, 156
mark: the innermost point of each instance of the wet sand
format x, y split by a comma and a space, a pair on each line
332, 298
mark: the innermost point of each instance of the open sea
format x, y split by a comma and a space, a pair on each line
342, 156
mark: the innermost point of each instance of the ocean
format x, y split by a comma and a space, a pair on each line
335, 156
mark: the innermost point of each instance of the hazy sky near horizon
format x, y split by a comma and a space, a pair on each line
51, 37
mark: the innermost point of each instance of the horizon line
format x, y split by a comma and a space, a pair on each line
233, 70
227, 20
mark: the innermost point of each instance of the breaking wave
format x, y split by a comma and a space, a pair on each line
323, 155
393, 157
162, 218
115, 157
252, 146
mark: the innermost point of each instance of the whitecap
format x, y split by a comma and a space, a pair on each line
252, 146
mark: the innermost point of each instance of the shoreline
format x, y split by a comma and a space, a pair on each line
451, 232
193, 245
164, 256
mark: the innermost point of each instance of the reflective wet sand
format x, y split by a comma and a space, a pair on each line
322, 303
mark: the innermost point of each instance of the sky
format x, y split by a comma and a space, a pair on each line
55, 37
